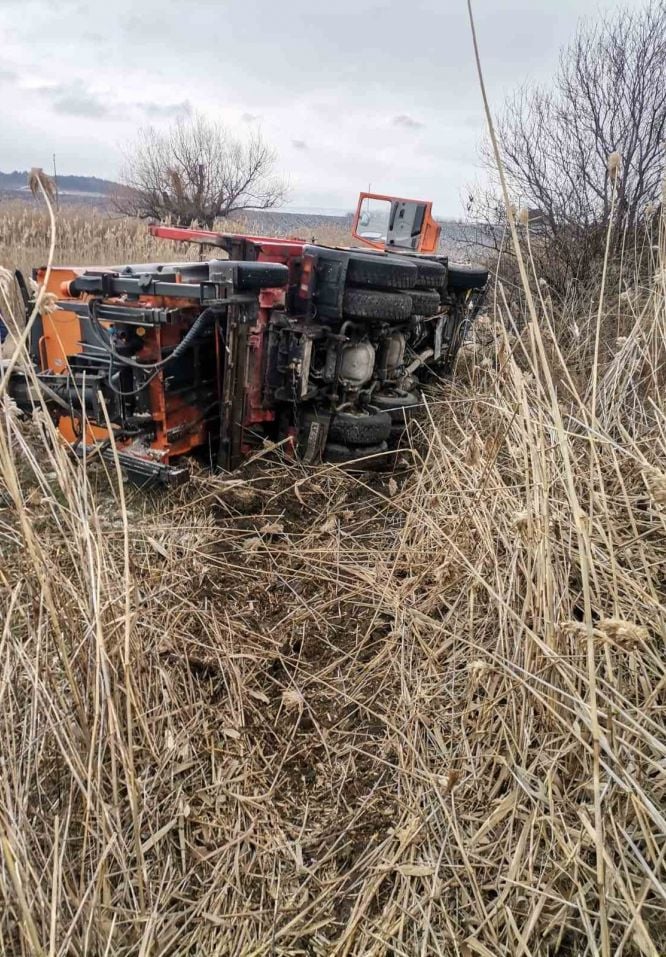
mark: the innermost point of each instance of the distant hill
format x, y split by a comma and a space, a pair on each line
460, 240
83, 186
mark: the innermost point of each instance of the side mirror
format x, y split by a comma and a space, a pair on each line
391, 222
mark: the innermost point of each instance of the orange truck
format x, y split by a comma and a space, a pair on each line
320, 349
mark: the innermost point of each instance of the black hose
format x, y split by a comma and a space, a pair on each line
130, 392
190, 336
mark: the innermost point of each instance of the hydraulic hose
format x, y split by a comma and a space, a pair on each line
193, 333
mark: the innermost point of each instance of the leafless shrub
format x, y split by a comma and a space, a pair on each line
607, 99
197, 172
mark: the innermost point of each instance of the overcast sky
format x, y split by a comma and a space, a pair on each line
350, 92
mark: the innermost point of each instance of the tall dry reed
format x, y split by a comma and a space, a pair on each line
291, 711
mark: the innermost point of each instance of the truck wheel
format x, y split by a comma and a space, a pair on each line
399, 405
463, 277
425, 302
362, 458
387, 272
364, 428
431, 274
373, 304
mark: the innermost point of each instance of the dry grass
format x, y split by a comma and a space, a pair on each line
95, 238
293, 712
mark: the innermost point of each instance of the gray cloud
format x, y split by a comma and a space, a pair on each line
407, 122
74, 99
363, 95
165, 111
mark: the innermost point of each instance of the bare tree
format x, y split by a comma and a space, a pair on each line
197, 171
608, 96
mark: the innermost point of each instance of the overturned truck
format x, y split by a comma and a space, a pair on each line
323, 350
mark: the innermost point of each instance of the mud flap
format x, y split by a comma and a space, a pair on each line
316, 440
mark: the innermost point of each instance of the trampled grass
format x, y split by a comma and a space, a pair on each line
289, 711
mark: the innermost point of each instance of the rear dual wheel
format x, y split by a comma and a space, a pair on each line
395, 272
425, 302
390, 307
430, 274
348, 428
357, 457
360, 428
385, 272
